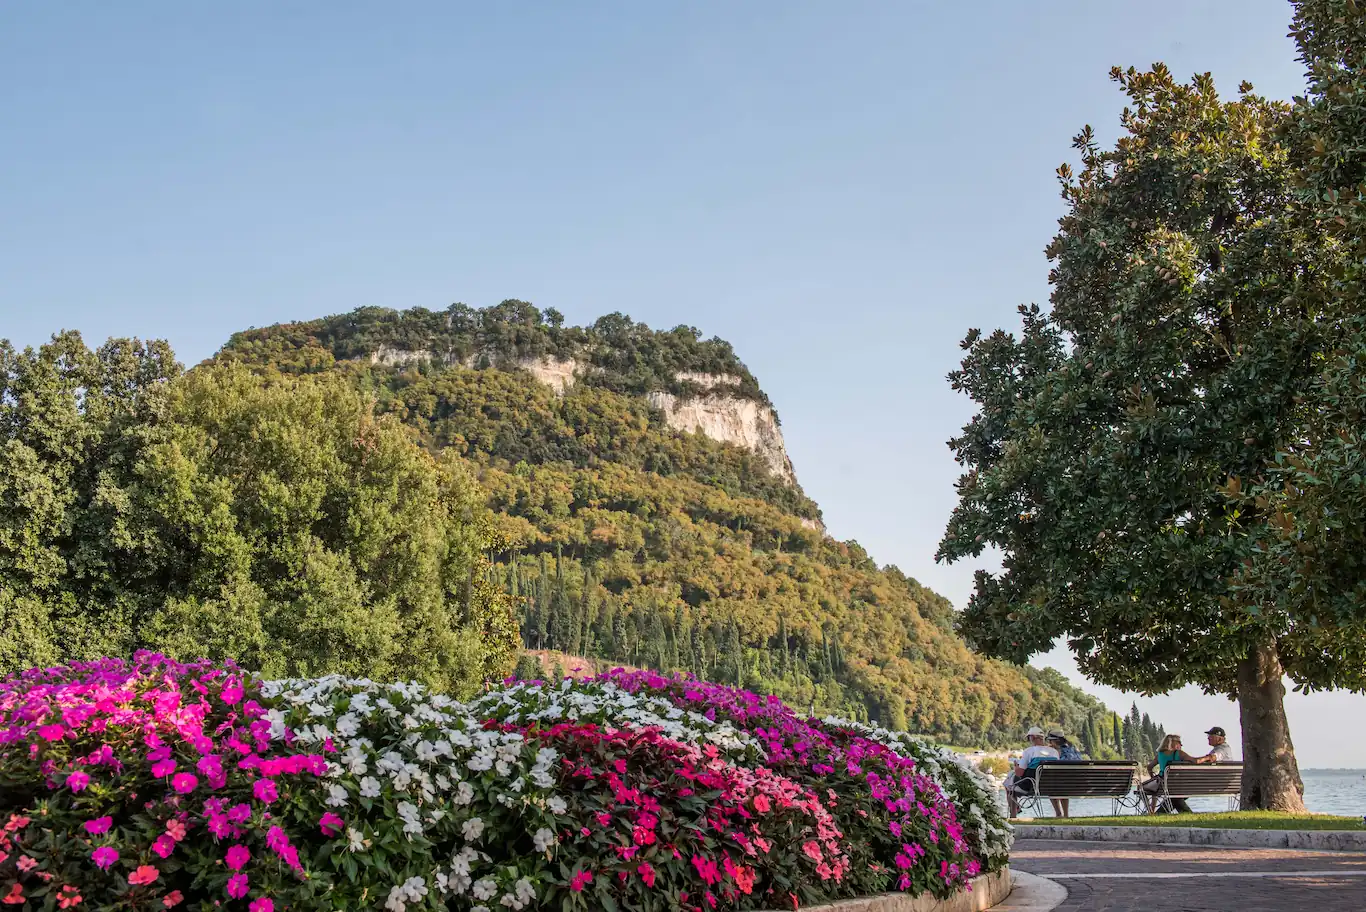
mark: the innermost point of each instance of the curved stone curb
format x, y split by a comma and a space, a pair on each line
1304, 840
987, 892
1032, 893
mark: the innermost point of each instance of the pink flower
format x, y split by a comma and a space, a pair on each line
330, 824
99, 825
174, 898
163, 768
263, 904
26, 864
264, 790
811, 850
175, 829
238, 855
184, 783
104, 856
77, 781
15, 896
276, 838
164, 845
68, 897
145, 874
237, 886
580, 880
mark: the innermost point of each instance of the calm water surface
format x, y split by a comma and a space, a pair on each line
1340, 792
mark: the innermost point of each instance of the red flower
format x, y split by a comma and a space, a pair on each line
172, 899
15, 896
580, 880
145, 874
647, 874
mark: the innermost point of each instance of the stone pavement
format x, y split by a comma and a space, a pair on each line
1109, 877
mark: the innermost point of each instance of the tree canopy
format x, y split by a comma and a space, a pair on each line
222, 513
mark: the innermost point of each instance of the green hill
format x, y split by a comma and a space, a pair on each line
652, 517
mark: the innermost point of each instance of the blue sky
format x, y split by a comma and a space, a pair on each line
840, 189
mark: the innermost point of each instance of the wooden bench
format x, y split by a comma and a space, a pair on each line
1202, 780
1113, 779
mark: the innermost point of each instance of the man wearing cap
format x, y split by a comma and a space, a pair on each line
1022, 773
1220, 751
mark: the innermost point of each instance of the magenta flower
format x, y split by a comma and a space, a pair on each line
51, 732
99, 825
104, 856
276, 839
330, 824
77, 781
580, 880
261, 905
184, 783
264, 790
237, 886
239, 813
232, 692
163, 768
238, 856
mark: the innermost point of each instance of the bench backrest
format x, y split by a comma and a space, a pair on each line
1200, 780
1086, 779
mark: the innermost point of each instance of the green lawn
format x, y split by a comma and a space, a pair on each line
1233, 820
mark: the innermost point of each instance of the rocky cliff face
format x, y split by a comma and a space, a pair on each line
742, 422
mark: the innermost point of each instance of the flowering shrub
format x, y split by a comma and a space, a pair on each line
142, 786
154, 785
895, 798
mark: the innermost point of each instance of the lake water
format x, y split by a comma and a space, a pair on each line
1341, 792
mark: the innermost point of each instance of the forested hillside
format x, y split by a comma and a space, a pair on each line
632, 540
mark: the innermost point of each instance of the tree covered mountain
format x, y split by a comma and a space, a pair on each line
643, 524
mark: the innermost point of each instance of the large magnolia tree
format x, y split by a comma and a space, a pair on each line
1118, 436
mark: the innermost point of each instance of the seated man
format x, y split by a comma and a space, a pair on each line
1021, 779
1067, 753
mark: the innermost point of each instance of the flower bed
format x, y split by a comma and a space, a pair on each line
157, 785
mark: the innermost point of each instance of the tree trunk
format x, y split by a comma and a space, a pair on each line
1271, 776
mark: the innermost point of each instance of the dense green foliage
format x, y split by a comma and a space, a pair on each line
223, 513
1310, 555
621, 355
1168, 458
631, 542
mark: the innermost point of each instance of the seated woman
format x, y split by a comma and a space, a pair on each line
1168, 753
1067, 753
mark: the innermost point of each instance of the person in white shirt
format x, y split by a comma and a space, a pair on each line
1220, 751
1022, 776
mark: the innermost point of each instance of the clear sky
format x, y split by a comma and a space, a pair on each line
841, 189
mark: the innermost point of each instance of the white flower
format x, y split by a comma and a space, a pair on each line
337, 795
472, 830
412, 820
347, 725
464, 793
556, 805
356, 839
484, 888
544, 839
369, 787
277, 723
395, 901
318, 710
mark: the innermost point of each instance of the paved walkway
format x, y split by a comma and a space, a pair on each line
1111, 877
